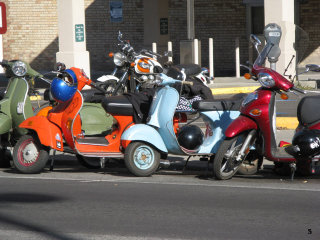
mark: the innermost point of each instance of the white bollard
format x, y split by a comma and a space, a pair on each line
154, 49
211, 68
196, 51
237, 58
170, 51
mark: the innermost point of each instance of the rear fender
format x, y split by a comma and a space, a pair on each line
239, 125
144, 133
48, 133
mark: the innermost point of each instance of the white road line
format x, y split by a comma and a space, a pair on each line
140, 181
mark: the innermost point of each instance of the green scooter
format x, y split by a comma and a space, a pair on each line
15, 104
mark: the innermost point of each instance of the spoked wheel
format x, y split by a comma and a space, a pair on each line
251, 164
89, 162
29, 156
141, 159
225, 164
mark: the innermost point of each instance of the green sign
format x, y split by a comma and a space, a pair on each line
79, 32
163, 26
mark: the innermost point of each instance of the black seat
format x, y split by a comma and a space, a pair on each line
189, 69
118, 105
230, 104
89, 96
308, 110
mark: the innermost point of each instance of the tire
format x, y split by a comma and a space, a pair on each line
29, 156
224, 164
89, 162
141, 159
5, 158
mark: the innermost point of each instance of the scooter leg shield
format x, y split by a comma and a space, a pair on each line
144, 133
5, 123
239, 125
49, 134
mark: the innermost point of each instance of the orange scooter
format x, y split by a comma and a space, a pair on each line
63, 127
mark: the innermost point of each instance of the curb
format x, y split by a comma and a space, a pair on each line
287, 123
233, 90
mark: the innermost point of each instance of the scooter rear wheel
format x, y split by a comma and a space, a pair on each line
141, 159
225, 164
29, 156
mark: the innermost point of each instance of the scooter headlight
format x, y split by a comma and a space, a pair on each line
251, 97
19, 68
266, 80
119, 59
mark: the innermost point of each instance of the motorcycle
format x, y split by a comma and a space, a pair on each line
255, 127
135, 69
15, 104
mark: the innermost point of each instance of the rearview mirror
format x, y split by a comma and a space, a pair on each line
313, 67
256, 41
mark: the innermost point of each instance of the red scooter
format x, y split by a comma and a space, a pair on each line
256, 125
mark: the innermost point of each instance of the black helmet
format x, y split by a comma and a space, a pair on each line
306, 143
190, 137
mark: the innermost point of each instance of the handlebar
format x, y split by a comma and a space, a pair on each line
93, 84
298, 90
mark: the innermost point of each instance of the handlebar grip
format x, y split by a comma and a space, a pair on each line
298, 90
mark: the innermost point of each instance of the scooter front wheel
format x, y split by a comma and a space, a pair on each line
141, 159
225, 164
29, 156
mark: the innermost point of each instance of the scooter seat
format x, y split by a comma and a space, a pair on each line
230, 104
118, 105
307, 111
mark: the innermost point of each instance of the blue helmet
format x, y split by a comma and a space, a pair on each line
63, 89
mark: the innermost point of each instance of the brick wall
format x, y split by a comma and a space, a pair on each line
33, 35
309, 21
32, 32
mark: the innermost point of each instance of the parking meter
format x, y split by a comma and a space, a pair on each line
272, 34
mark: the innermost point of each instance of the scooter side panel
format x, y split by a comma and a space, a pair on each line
240, 125
49, 134
161, 116
218, 123
5, 123
144, 133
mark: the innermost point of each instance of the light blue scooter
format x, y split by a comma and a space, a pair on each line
159, 136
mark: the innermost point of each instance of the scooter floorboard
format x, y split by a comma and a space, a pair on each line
100, 141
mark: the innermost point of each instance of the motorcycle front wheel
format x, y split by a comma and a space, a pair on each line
225, 164
141, 159
29, 156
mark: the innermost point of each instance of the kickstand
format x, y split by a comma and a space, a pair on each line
293, 168
185, 165
52, 160
103, 163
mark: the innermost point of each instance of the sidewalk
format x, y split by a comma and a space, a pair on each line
233, 85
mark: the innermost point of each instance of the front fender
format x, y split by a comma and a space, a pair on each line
239, 125
145, 133
49, 134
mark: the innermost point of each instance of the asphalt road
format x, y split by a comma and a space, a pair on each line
75, 203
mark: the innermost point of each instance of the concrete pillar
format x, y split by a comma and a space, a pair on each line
156, 23
282, 13
190, 19
72, 38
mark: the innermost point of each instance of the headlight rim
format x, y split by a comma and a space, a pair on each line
16, 68
266, 80
119, 59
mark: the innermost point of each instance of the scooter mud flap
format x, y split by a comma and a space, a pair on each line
144, 133
5, 123
49, 134
240, 125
